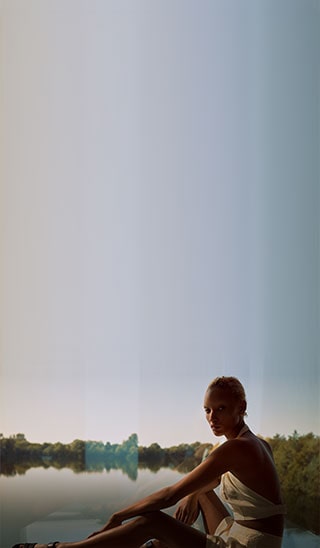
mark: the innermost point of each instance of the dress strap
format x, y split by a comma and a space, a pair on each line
243, 430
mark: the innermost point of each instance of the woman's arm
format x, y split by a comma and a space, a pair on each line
202, 479
188, 509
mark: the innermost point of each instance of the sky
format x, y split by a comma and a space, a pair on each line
159, 216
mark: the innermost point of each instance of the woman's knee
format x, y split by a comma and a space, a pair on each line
154, 524
149, 522
151, 517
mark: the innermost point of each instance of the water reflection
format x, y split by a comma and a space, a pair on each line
45, 500
46, 503
18, 455
128, 466
128, 463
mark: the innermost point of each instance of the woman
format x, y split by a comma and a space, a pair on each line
249, 483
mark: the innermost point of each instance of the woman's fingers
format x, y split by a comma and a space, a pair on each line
183, 516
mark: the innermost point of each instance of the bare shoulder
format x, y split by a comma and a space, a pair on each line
265, 443
232, 450
256, 444
247, 448
250, 459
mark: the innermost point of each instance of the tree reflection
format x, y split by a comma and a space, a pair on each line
296, 457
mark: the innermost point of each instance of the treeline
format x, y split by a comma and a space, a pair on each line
298, 464
18, 455
296, 457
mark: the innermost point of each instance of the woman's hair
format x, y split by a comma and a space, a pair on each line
232, 384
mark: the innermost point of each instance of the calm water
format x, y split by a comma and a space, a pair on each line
50, 504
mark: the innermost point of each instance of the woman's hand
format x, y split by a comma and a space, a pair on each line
188, 510
113, 521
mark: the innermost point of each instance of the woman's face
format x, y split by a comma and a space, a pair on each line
224, 412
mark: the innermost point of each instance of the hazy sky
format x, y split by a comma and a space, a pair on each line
159, 215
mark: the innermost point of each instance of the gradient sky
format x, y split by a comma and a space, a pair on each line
159, 215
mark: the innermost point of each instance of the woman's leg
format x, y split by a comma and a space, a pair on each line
213, 511
135, 533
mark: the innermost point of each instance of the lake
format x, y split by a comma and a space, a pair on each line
49, 504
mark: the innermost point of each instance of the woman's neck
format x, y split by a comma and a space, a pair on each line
243, 429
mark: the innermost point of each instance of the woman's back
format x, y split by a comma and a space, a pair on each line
255, 467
